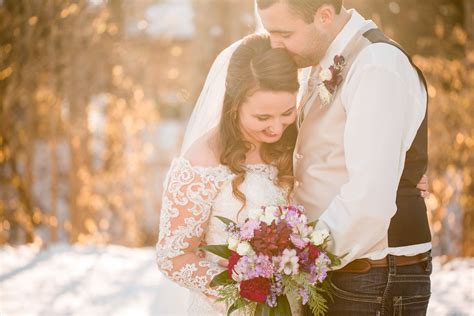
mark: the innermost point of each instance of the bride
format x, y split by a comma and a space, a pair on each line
228, 165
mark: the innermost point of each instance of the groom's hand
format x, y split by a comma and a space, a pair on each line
223, 263
423, 186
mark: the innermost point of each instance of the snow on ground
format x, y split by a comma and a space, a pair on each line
114, 280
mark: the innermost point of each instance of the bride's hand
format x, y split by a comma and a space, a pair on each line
201, 253
423, 186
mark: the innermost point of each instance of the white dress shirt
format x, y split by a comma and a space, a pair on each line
385, 102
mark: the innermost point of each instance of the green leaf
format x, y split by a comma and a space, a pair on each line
219, 250
221, 279
264, 310
283, 306
225, 220
335, 260
232, 308
244, 305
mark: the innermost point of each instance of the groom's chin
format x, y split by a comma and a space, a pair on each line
302, 62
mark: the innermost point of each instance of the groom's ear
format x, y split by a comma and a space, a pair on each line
324, 15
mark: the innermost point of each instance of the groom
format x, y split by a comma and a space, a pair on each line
361, 150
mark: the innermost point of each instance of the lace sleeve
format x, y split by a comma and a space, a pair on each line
187, 201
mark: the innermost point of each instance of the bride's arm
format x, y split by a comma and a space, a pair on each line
187, 201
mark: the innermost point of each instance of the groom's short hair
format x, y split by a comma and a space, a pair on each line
305, 8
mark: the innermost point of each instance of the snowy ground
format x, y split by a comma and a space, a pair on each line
113, 280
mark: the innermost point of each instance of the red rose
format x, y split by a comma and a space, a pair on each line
313, 252
256, 289
234, 257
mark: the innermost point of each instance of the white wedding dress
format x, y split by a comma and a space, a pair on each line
192, 198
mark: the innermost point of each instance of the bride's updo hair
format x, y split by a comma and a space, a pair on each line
256, 66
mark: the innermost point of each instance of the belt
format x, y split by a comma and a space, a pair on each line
364, 265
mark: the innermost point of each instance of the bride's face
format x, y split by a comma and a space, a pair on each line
265, 115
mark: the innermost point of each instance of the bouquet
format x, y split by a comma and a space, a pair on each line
274, 254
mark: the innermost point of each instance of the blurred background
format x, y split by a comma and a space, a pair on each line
95, 95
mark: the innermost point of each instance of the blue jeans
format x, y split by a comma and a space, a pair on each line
392, 290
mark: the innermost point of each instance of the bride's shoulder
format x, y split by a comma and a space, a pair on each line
204, 151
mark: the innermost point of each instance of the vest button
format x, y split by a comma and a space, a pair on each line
298, 156
297, 183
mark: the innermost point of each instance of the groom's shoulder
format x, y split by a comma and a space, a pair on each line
382, 55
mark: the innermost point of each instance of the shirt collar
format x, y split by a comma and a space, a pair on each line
355, 23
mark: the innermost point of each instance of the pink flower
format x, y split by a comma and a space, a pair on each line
248, 229
298, 241
292, 216
289, 262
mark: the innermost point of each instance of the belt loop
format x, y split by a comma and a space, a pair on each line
392, 265
428, 262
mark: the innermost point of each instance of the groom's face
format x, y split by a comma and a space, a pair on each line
305, 41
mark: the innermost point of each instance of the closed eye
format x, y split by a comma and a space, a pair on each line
289, 112
284, 34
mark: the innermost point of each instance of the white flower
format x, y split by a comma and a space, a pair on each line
318, 236
244, 249
325, 74
324, 94
233, 242
303, 219
255, 213
270, 214
271, 209
289, 262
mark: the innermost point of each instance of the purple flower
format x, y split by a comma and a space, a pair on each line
263, 266
320, 268
231, 228
304, 296
250, 267
299, 242
276, 289
271, 299
241, 269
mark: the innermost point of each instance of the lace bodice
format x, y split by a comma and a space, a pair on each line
192, 197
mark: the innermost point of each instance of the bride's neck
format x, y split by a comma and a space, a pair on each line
254, 156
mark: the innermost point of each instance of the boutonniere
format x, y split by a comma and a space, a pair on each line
330, 79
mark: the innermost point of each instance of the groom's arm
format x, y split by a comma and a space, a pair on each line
385, 104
